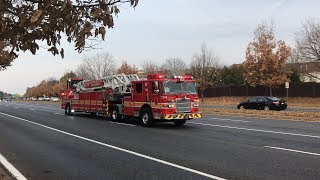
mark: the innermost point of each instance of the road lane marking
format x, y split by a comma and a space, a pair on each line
12, 170
59, 114
222, 119
256, 130
121, 123
38, 106
293, 150
120, 149
32, 110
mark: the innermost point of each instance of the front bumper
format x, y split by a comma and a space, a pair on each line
182, 116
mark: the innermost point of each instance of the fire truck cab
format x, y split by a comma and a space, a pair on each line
156, 98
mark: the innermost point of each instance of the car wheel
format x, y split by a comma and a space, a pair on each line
240, 107
146, 117
266, 108
68, 110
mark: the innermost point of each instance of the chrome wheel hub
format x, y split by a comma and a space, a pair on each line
145, 118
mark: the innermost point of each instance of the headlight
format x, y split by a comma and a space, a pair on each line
196, 103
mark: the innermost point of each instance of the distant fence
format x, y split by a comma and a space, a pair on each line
295, 90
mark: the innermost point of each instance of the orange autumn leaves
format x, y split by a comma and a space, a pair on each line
265, 59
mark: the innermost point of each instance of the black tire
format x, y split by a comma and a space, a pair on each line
114, 114
179, 122
93, 113
146, 118
68, 110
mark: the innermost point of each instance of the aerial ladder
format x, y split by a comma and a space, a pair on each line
119, 84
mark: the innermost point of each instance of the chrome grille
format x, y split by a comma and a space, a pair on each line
183, 105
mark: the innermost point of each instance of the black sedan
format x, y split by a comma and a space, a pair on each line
263, 103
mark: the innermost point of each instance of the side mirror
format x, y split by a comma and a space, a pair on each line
155, 87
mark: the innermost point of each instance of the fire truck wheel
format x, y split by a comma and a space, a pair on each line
115, 114
179, 122
68, 110
146, 117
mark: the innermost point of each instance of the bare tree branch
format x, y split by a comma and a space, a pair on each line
204, 68
97, 66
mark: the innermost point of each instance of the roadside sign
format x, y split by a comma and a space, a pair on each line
287, 85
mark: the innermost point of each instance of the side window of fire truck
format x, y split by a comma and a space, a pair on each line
155, 87
139, 87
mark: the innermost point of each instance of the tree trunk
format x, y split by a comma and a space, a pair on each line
202, 89
270, 90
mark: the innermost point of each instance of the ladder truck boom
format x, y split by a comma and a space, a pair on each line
118, 83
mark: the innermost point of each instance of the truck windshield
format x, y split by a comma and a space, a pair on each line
172, 87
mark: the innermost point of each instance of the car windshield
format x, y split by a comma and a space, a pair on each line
172, 87
274, 98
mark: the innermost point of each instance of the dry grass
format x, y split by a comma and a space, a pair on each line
302, 102
297, 102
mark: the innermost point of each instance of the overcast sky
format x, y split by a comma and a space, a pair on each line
160, 29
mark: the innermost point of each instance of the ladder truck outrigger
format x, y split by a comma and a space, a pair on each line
156, 98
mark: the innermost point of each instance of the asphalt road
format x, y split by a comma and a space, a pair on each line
43, 143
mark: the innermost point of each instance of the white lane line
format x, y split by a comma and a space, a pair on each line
12, 170
32, 110
42, 107
121, 123
222, 119
59, 114
293, 150
16, 107
120, 149
257, 130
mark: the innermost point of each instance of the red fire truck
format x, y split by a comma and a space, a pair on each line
156, 98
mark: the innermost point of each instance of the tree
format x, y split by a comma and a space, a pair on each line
59, 87
149, 67
6, 57
204, 68
96, 66
126, 68
265, 59
232, 75
307, 44
307, 41
1, 95
50, 87
67, 75
174, 66
24, 23
295, 76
